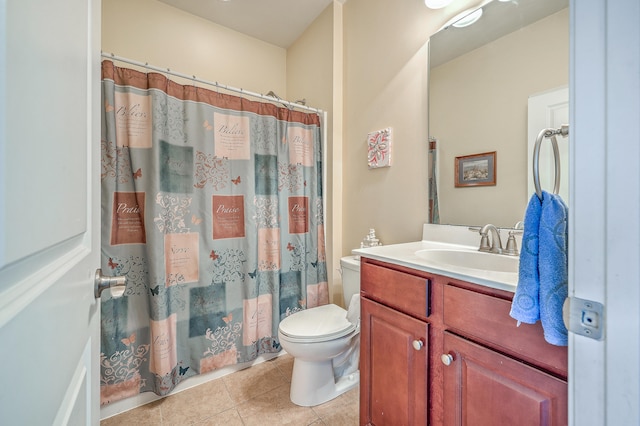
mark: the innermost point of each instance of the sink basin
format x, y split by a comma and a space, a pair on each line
469, 259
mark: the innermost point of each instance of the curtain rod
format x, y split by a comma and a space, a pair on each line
216, 84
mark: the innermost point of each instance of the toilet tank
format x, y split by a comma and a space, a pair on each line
350, 267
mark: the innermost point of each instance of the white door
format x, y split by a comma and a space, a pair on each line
548, 110
604, 213
49, 211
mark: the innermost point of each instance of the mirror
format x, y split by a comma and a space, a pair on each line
481, 79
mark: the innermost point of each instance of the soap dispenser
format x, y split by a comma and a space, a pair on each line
370, 240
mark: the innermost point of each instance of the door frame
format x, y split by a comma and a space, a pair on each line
604, 209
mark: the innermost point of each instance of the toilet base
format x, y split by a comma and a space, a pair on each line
313, 383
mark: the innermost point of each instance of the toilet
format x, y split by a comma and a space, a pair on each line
324, 342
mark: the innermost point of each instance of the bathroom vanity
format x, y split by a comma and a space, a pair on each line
438, 347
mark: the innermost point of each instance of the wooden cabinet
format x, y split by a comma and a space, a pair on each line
483, 387
393, 369
474, 365
482, 315
394, 331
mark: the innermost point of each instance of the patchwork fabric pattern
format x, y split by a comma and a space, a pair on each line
212, 208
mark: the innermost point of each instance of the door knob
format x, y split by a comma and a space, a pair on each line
417, 344
447, 359
103, 282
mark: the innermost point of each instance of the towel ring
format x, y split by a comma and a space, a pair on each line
548, 133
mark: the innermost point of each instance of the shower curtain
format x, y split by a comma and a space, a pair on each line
212, 208
434, 210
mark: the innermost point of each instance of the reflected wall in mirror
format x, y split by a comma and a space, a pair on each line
480, 80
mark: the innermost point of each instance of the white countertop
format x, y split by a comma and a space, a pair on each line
405, 255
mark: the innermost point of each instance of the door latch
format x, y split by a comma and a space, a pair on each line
585, 317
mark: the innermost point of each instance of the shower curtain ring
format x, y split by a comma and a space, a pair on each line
168, 77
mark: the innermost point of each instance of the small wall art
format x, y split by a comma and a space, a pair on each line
476, 170
379, 148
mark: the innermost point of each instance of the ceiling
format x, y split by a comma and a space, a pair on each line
499, 18
278, 22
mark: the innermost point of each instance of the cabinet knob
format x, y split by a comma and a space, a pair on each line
446, 359
418, 344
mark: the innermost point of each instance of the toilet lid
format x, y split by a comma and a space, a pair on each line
322, 323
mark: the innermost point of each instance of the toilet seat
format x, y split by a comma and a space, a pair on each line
319, 324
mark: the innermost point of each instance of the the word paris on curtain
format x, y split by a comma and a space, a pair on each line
212, 208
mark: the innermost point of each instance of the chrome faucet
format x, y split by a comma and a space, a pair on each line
496, 242
512, 247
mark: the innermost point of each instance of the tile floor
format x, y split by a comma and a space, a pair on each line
255, 396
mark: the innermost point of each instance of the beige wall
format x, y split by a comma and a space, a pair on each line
153, 32
481, 100
385, 81
309, 63
310, 76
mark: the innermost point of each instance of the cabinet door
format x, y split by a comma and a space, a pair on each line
393, 386
484, 387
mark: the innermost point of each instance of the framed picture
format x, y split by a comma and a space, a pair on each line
476, 170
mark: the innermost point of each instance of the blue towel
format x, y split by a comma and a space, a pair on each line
543, 272
525, 306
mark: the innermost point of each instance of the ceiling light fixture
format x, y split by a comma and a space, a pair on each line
467, 19
437, 4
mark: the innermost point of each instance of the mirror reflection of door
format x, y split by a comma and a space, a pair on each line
549, 110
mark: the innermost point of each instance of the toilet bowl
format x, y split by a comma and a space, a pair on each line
324, 342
